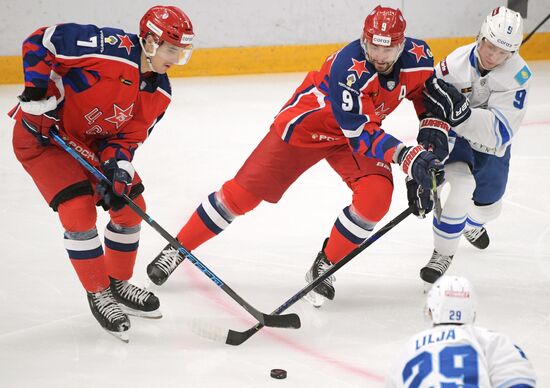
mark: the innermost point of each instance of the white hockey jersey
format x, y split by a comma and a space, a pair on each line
498, 99
461, 356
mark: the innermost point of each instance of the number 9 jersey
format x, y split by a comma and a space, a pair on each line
461, 356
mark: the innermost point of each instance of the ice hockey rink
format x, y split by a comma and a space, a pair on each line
48, 337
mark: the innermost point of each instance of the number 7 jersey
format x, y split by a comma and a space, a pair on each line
461, 356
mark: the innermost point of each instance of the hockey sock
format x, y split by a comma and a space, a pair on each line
480, 214
348, 232
121, 244
215, 214
453, 217
86, 254
371, 201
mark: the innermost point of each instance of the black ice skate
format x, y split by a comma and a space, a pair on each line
109, 314
134, 300
164, 264
325, 290
478, 237
436, 267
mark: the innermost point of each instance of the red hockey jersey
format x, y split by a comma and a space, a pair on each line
346, 100
106, 105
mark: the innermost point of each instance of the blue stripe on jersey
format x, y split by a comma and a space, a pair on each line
208, 221
347, 234
76, 79
294, 124
121, 247
84, 255
38, 80
297, 96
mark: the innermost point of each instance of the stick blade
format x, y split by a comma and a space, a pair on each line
290, 321
236, 338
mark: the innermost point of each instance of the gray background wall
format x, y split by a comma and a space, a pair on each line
233, 23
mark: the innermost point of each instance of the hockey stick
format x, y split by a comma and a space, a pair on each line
436, 199
535, 30
287, 320
238, 337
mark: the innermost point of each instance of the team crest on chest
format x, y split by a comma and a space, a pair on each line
418, 51
125, 42
390, 84
359, 67
121, 115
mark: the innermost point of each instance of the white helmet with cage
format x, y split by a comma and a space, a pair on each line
503, 28
451, 300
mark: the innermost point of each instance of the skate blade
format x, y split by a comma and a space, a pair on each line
156, 314
315, 299
427, 287
124, 336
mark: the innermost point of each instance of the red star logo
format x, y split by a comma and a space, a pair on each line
120, 116
358, 67
418, 51
125, 42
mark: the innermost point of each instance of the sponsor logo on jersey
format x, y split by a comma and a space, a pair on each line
112, 40
457, 294
443, 66
351, 79
523, 75
316, 136
381, 40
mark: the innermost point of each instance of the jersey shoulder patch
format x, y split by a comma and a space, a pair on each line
416, 53
523, 75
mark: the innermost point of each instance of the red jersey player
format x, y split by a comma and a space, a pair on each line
335, 114
105, 89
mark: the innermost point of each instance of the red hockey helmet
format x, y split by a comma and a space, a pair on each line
167, 24
384, 26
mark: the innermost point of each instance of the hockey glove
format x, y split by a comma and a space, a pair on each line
418, 164
445, 102
420, 200
38, 117
120, 173
434, 136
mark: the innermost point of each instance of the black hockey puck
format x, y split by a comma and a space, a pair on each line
278, 374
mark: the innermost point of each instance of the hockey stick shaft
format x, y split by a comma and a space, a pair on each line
289, 320
535, 30
237, 337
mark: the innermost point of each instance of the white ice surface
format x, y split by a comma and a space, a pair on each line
48, 337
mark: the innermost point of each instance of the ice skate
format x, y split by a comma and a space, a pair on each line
325, 290
436, 267
478, 237
134, 300
164, 264
109, 314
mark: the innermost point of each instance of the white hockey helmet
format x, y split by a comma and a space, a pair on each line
503, 28
451, 300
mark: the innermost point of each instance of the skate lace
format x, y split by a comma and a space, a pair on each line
324, 265
169, 260
130, 292
473, 234
440, 262
107, 306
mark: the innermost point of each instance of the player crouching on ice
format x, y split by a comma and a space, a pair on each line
104, 89
335, 115
455, 352
495, 79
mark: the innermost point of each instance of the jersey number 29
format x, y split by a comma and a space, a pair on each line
456, 362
